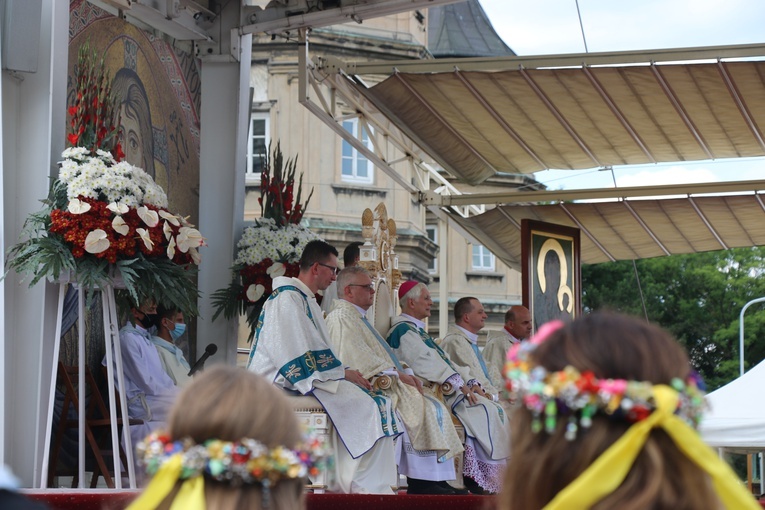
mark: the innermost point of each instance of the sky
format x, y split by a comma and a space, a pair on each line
540, 27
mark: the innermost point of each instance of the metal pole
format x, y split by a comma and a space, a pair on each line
741, 332
52, 395
443, 283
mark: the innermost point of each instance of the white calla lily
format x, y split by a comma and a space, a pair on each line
96, 241
172, 218
195, 256
144, 235
255, 292
119, 225
77, 206
168, 230
150, 217
171, 248
189, 238
276, 269
117, 208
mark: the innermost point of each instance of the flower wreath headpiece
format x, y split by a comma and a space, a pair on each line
676, 409
571, 392
247, 461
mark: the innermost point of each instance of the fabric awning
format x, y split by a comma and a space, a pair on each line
477, 117
630, 229
522, 120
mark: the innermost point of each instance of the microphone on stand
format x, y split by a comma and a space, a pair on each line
209, 351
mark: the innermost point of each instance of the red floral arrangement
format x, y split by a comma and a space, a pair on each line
134, 234
271, 247
106, 218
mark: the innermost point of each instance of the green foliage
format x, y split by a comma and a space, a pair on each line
162, 279
42, 254
696, 297
230, 302
224, 300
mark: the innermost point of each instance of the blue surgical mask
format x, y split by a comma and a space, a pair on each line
178, 330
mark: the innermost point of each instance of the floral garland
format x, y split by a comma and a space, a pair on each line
246, 461
570, 392
271, 247
105, 218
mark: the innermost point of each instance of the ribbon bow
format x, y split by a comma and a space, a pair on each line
608, 471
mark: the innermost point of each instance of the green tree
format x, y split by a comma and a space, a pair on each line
697, 297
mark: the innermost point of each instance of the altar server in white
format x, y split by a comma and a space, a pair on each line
149, 390
430, 440
291, 348
170, 327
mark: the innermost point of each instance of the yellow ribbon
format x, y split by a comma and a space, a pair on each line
190, 496
608, 471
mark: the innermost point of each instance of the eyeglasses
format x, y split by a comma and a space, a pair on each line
369, 287
334, 269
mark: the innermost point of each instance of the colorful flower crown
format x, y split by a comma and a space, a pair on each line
568, 392
246, 461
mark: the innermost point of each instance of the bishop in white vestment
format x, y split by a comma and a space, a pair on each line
291, 348
485, 420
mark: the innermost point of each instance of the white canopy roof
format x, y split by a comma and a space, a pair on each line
736, 421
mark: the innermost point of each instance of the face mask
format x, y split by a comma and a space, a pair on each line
149, 320
178, 330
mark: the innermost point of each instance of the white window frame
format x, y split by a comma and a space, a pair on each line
355, 129
432, 233
251, 174
482, 252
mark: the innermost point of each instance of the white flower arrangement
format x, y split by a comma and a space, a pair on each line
105, 219
266, 240
100, 178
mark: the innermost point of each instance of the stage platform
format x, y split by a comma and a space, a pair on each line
111, 499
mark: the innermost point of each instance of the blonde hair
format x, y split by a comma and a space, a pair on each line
542, 465
230, 404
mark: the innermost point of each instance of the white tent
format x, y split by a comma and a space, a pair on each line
736, 421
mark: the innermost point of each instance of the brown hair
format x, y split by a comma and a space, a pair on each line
462, 306
230, 404
316, 251
542, 465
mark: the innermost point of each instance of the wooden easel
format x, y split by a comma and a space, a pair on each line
113, 360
